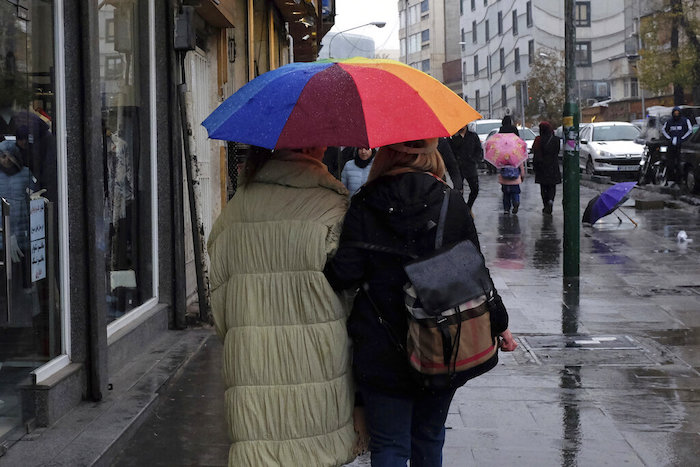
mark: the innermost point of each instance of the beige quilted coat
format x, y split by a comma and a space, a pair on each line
289, 392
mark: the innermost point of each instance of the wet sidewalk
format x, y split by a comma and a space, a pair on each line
607, 368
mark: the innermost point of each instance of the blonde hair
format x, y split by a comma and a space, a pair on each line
394, 159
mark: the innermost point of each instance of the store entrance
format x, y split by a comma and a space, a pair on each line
29, 286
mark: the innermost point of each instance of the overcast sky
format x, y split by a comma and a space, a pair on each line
351, 13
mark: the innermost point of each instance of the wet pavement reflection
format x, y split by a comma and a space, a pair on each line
607, 373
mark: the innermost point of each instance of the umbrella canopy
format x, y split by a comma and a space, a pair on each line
356, 102
505, 149
606, 202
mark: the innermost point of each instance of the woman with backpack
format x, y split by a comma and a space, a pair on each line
545, 163
510, 179
399, 207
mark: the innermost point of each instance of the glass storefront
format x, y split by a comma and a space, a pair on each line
30, 315
124, 87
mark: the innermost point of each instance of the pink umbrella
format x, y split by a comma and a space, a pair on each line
505, 149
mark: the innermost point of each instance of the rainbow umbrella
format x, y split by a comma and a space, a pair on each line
505, 149
356, 102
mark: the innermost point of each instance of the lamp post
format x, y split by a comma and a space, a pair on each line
379, 24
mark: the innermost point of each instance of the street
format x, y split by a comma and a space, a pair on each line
607, 368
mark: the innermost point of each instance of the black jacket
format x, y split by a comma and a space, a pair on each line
451, 165
391, 211
545, 160
468, 152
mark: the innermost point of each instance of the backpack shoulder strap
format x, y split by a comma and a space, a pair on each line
379, 248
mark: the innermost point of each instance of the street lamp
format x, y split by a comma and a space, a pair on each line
379, 24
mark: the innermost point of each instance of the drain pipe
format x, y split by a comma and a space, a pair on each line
291, 43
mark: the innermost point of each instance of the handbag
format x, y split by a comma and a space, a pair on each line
450, 300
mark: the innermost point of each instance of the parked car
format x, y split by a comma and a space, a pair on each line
690, 162
483, 127
610, 147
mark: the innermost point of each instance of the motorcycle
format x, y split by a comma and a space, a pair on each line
653, 164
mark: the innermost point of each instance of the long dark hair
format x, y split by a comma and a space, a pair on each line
257, 158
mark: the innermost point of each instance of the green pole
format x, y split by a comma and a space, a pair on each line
572, 223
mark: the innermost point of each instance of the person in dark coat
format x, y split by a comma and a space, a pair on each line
545, 163
676, 130
398, 207
507, 126
469, 153
448, 158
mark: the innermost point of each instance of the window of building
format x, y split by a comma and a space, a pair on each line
461, 7
413, 14
124, 72
515, 22
632, 87
582, 14
486, 30
474, 32
530, 51
583, 53
425, 35
476, 66
414, 43
464, 72
425, 66
528, 14
477, 101
504, 98
516, 61
502, 59
109, 30
488, 65
462, 37
424, 6
402, 47
473, 5
486, 2
500, 23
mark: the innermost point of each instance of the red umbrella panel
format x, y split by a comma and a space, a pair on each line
356, 102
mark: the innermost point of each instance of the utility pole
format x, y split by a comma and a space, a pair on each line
572, 241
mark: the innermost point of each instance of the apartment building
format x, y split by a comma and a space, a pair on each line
502, 38
422, 35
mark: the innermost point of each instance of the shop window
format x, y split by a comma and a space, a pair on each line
126, 151
31, 325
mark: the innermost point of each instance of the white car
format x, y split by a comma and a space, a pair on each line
483, 127
610, 147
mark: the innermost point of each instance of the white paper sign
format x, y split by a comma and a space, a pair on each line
38, 260
36, 220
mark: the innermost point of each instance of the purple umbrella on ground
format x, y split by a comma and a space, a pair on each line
608, 201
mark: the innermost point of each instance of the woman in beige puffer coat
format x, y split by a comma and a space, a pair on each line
289, 390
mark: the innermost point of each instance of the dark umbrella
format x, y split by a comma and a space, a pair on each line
606, 202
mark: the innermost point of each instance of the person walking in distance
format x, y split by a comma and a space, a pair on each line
676, 130
467, 149
507, 126
545, 163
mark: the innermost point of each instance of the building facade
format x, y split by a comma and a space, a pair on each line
422, 35
504, 38
95, 241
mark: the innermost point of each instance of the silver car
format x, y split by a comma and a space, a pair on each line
610, 147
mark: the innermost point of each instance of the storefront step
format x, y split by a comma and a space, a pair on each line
94, 432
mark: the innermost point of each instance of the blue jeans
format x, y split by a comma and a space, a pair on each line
403, 428
511, 195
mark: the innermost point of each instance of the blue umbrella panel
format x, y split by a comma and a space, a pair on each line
606, 202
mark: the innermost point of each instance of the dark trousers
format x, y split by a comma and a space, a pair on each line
403, 428
473, 190
672, 160
548, 193
511, 195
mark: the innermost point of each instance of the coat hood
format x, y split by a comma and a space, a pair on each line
298, 170
404, 202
